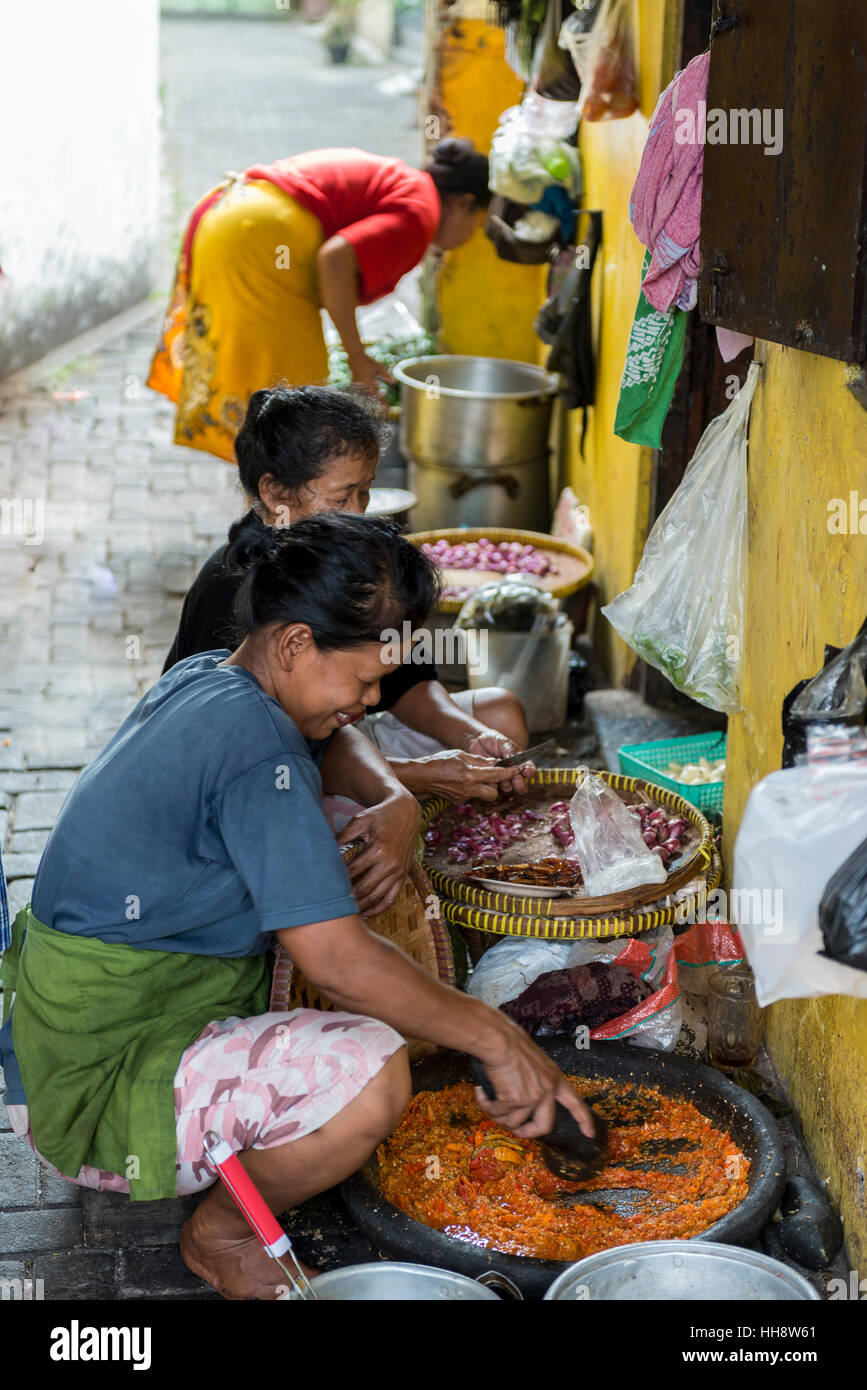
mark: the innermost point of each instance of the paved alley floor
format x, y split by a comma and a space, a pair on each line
104, 524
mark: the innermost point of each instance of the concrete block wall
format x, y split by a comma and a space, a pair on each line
79, 168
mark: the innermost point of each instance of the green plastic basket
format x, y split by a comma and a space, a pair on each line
646, 760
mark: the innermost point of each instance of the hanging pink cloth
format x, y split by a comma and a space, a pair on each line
665, 207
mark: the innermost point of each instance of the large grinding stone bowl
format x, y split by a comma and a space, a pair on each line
726, 1105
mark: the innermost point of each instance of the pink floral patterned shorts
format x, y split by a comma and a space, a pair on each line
258, 1082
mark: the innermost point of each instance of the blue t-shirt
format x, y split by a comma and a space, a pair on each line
198, 828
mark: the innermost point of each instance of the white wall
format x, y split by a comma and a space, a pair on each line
79, 166
375, 22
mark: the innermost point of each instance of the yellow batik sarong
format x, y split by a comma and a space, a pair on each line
244, 315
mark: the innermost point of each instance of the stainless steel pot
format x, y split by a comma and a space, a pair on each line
678, 1270
517, 497
475, 431
397, 1282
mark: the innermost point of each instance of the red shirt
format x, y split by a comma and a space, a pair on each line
385, 209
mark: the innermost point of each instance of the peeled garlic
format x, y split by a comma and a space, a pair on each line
696, 774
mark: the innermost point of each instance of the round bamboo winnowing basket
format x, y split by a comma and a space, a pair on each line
481, 929
509, 913
413, 922
574, 565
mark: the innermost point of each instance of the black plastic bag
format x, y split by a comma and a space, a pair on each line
564, 321
836, 695
843, 911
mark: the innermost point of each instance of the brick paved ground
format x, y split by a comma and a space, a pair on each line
88, 609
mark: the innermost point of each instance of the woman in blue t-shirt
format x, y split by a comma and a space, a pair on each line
194, 839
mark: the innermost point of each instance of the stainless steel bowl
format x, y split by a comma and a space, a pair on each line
386, 1282
677, 1271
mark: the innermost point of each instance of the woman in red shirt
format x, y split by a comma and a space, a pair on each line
265, 251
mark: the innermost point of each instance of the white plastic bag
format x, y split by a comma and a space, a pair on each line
684, 611
608, 842
572, 521
511, 966
799, 826
529, 154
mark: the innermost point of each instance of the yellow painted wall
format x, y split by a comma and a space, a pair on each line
486, 305
614, 478
808, 444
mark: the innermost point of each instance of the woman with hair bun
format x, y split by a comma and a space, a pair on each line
139, 976
266, 250
314, 450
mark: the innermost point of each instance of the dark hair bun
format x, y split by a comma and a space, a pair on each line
452, 152
250, 541
256, 405
456, 166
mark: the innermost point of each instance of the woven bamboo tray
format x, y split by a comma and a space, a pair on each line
574, 564
477, 923
511, 903
413, 922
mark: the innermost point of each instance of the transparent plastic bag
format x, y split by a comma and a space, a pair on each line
604, 58
684, 611
529, 152
511, 966
553, 76
838, 694
510, 605
608, 842
799, 826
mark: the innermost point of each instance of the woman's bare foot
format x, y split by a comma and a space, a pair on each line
237, 1268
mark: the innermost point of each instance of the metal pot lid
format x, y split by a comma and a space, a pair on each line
680, 1269
392, 1280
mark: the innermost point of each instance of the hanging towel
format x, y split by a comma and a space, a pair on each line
665, 206
654, 354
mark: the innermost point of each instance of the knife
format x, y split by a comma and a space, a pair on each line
528, 755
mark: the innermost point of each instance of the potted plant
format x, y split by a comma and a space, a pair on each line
339, 29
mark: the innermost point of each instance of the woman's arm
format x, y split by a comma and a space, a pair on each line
428, 707
365, 974
354, 767
337, 270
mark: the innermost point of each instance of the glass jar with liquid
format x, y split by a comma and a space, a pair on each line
734, 1019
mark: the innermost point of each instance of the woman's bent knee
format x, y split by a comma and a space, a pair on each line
389, 1091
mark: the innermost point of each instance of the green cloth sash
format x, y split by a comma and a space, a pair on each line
98, 1032
654, 356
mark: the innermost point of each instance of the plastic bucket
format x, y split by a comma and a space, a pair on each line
535, 666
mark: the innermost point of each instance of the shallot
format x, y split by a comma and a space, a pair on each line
502, 557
